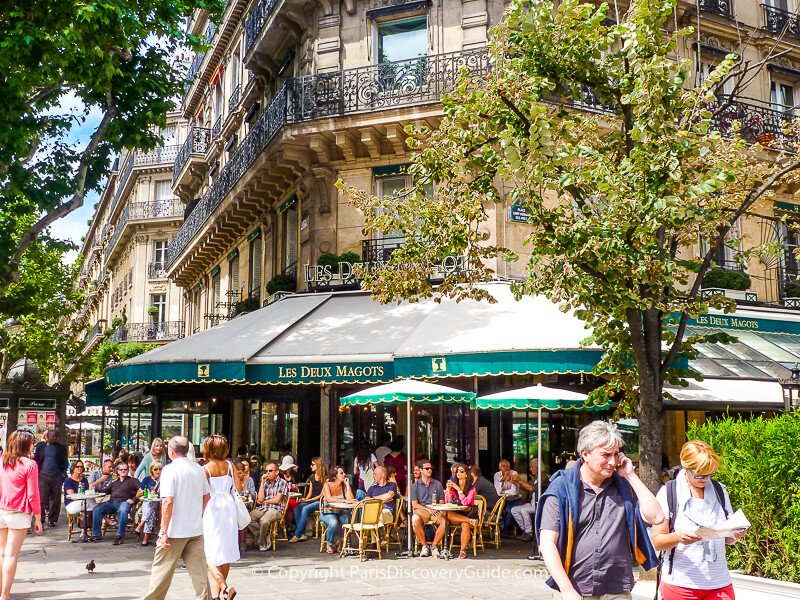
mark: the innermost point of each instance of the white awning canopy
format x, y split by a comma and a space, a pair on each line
722, 394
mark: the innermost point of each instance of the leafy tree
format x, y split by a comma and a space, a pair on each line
615, 197
112, 56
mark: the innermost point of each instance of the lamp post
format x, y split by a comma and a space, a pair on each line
791, 390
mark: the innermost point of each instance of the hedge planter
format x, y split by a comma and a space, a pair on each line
761, 588
742, 295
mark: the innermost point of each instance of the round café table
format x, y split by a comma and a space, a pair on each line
445, 553
84, 497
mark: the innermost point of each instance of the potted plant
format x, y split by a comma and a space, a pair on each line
791, 293
282, 282
153, 310
730, 283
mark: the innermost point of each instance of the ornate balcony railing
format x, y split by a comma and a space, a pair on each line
123, 220
157, 270
233, 100
403, 83
378, 250
159, 209
194, 68
94, 333
386, 85
157, 156
123, 180
268, 124
196, 143
216, 128
256, 21
778, 20
719, 7
759, 121
148, 332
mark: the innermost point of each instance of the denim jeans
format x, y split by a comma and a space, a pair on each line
334, 521
302, 512
107, 508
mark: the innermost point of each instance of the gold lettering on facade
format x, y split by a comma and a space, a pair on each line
728, 322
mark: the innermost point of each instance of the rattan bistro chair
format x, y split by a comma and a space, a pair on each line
395, 527
492, 524
366, 525
455, 528
279, 525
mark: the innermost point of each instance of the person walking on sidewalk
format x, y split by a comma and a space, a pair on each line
693, 568
591, 520
51, 458
184, 495
19, 500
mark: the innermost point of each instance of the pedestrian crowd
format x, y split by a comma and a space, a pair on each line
594, 521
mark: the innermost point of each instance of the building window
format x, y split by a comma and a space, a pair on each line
255, 266
168, 134
196, 298
781, 96
402, 40
163, 203
290, 250
233, 279
727, 257
216, 291
160, 252
705, 69
158, 307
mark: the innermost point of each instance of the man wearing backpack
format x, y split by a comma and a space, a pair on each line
693, 569
591, 521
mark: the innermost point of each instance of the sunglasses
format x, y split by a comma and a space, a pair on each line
427, 468
78, 466
270, 470
157, 469
700, 477
461, 471
122, 470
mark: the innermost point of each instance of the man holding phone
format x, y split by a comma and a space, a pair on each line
592, 520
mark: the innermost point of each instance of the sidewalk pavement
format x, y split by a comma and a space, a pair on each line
51, 567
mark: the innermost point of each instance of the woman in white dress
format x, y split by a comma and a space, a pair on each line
220, 524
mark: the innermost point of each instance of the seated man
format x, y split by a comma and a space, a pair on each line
103, 475
523, 513
123, 493
273, 493
386, 491
424, 492
505, 485
484, 488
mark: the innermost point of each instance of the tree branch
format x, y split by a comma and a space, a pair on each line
515, 109
74, 203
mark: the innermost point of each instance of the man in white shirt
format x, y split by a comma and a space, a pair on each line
184, 495
506, 482
382, 450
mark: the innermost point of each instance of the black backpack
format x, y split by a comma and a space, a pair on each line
672, 501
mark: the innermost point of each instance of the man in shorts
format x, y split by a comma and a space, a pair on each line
425, 492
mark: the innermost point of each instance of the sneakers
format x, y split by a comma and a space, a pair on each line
526, 537
294, 539
263, 547
302, 538
435, 552
426, 551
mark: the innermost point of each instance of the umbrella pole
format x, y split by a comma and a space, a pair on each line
539, 455
409, 473
102, 434
80, 436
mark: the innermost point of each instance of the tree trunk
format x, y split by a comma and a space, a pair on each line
651, 434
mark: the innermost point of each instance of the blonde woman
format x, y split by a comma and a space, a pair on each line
19, 501
152, 484
310, 503
156, 454
692, 568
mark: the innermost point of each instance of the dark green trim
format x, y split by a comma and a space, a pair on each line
787, 206
389, 170
96, 393
215, 271
255, 234
233, 254
499, 363
290, 201
183, 372
197, 287
526, 404
315, 373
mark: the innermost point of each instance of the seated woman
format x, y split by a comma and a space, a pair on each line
71, 485
288, 471
242, 475
336, 489
310, 503
462, 492
151, 483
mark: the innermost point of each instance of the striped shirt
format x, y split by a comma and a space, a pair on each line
699, 566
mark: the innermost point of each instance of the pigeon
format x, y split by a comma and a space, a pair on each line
90, 566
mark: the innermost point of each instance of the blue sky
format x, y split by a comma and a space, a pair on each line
73, 226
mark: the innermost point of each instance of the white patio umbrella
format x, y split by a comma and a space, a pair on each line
538, 397
408, 392
85, 426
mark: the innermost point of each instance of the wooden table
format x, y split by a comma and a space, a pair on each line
445, 554
84, 497
295, 495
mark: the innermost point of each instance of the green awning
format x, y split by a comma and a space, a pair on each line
176, 372
529, 362
408, 390
96, 393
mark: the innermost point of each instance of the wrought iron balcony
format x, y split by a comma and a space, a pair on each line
194, 68
381, 86
378, 250
719, 7
123, 220
256, 21
148, 332
759, 121
159, 209
157, 270
196, 143
216, 128
233, 100
123, 180
157, 156
95, 333
778, 20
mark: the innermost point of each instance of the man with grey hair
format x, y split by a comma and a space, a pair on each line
592, 520
184, 495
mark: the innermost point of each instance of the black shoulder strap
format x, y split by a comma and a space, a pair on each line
720, 496
672, 505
